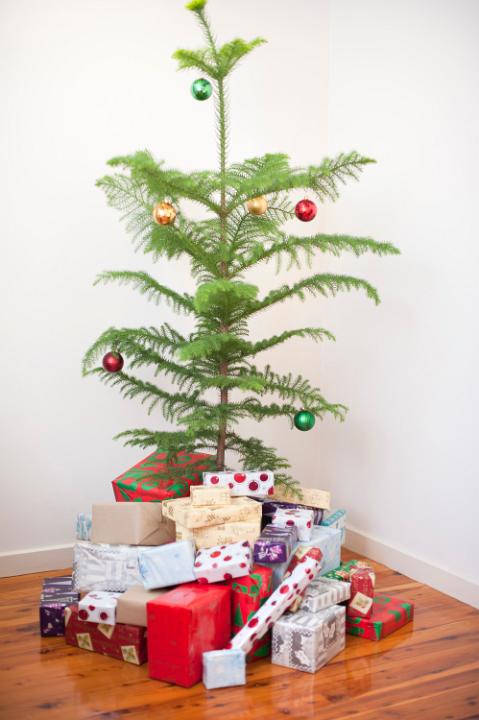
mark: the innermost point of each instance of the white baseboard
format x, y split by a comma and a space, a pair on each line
36, 560
419, 570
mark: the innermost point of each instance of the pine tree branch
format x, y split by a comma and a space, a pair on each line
312, 333
148, 286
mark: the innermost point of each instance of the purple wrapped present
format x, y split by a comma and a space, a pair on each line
57, 593
275, 544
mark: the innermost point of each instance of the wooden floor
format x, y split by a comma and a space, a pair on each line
428, 669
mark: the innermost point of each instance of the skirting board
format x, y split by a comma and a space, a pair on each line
40, 560
419, 570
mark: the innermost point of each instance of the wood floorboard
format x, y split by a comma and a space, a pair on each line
428, 670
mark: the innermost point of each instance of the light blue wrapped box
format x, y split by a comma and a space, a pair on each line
83, 529
335, 519
328, 540
224, 668
166, 565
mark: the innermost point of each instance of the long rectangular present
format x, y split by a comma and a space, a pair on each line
132, 523
98, 607
123, 642
323, 593
223, 534
311, 497
105, 567
255, 483
154, 479
131, 605
389, 614
182, 625
307, 641
249, 593
182, 511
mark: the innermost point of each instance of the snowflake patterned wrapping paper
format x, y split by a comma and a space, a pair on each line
257, 483
324, 592
335, 519
153, 480
105, 567
307, 641
224, 668
83, 526
248, 595
275, 544
362, 592
57, 593
98, 607
311, 497
223, 534
131, 524
205, 495
182, 625
131, 605
123, 642
222, 562
328, 540
389, 614
275, 605
167, 565
301, 518
183, 512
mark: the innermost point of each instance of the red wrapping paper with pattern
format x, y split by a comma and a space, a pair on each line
389, 614
248, 595
152, 480
362, 592
123, 642
299, 554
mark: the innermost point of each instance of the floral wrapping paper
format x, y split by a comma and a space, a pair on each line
275, 544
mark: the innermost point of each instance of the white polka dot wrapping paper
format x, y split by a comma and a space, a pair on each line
257, 483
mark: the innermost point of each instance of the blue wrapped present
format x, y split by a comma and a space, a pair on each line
224, 668
335, 519
165, 565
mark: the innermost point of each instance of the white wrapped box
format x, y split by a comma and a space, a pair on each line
324, 592
301, 518
275, 605
105, 567
98, 607
167, 565
307, 641
222, 562
255, 483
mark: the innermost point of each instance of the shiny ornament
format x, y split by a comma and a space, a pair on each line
257, 205
113, 362
164, 213
305, 210
201, 89
304, 420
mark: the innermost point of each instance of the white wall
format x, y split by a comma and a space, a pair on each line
83, 81
403, 89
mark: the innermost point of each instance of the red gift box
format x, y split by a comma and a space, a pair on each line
389, 614
362, 592
182, 625
248, 594
124, 642
153, 479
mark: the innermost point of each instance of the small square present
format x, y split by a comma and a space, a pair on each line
167, 565
275, 544
202, 495
255, 483
154, 479
307, 641
123, 642
105, 567
98, 607
222, 562
324, 592
224, 668
389, 614
301, 518
362, 592
134, 523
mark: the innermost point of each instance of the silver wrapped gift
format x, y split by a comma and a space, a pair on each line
112, 568
307, 641
324, 592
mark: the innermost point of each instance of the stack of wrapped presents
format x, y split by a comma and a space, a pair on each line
199, 574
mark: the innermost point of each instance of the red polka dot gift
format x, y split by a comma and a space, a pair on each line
222, 562
258, 483
301, 518
98, 607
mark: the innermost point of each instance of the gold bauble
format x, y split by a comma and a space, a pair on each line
164, 213
257, 205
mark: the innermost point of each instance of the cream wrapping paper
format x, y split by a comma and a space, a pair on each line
203, 495
223, 534
311, 496
183, 512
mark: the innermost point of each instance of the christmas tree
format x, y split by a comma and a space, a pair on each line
247, 205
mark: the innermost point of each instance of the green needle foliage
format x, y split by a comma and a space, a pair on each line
218, 354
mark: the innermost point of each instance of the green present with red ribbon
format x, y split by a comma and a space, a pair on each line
248, 595
389, 614
158, 477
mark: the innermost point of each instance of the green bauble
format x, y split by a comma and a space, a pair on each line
201, 89
304, 420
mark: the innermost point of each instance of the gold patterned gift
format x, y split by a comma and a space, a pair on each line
312, 497
223, 534
182, 511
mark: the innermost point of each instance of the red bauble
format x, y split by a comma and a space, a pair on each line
113, 362
305, 210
